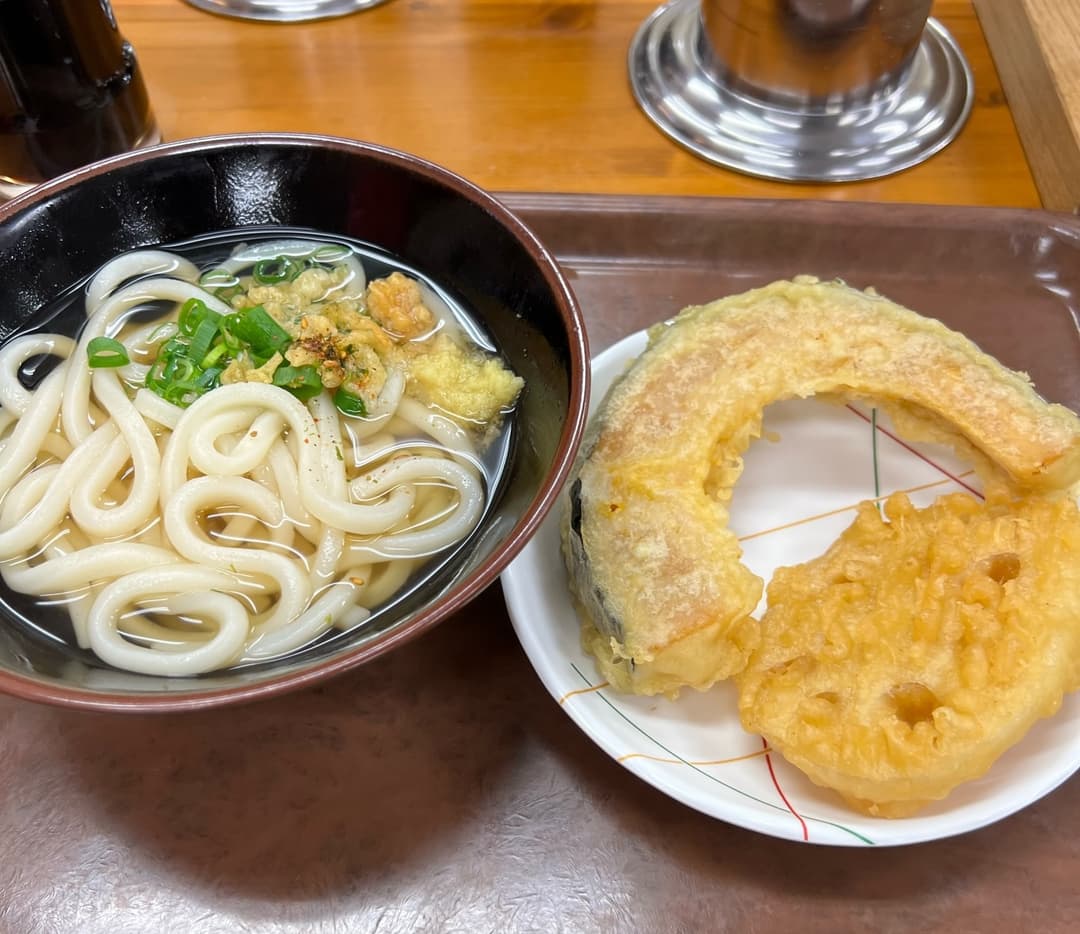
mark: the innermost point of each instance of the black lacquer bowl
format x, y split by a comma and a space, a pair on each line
59, 233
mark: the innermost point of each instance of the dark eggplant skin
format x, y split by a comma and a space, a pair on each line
582, 583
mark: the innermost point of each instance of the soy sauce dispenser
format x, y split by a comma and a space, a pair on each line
70, 90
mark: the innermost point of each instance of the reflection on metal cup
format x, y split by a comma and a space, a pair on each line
70, 90
284, 11
813, 52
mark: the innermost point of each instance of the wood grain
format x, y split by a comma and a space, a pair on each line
1034, 45
513, 94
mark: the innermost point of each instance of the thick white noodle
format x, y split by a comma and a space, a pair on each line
337, 602
50, 510
153, 407
139, 263
137, 444
20, 448
19, 501
143, 340
332, 540
25, 494
287, 483
424, 541
181, 525
443, 429
188, 590
15, 397
211, 453
80, 569
352, 287
362, 519
355, 282
249, 254
256, 522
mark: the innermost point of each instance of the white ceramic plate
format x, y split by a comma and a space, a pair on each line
795, 497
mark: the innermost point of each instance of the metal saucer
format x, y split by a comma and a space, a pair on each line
284, 11
679, 84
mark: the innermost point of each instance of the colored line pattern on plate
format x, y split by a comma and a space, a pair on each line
780, 791
849, 508
756, 754
956, 478
682, 760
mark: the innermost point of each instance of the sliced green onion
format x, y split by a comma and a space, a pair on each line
228, 333
210, 379
278, 269
155, 379
180, 370
172, 347
191, 315
182, 394
302, 381
349, 403
259, 331
106, 352
216, 353
204, 335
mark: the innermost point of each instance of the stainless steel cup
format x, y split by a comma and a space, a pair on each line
802, 90
811, 52
70, 90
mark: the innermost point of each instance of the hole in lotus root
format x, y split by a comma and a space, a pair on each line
1002, 567
913, 702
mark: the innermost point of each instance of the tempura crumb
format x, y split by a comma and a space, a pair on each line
468, 384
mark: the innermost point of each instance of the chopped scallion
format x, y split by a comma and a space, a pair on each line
191, 315
349, 403
302, 381
258, 330
204, 335
278, 269
106, 352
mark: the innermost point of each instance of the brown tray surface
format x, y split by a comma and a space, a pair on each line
439, 788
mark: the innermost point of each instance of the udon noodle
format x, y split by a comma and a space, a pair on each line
186, 532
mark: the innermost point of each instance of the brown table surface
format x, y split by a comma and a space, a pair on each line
440, 788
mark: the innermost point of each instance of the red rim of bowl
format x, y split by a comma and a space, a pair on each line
57, 694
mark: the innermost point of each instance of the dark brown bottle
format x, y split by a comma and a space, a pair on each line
70, 90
